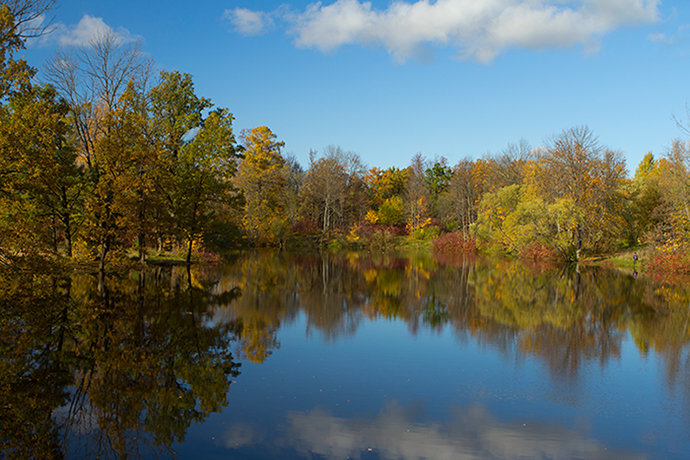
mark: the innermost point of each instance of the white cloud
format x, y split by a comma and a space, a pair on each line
477, 29
678, 37
658, 38
84, 33
249, 22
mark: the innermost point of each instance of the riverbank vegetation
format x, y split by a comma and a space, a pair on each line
107, 157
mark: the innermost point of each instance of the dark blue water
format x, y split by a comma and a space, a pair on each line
349, 356
385, 393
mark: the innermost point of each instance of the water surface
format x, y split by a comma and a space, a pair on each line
345, 356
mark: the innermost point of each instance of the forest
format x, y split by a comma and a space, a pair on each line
107, 159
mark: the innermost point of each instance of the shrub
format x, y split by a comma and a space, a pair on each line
537, 252
669, 267
454, 243
392, 212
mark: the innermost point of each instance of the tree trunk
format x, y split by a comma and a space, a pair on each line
68, 236
142, 248
65, 217
105, 247
55, 238
189, 250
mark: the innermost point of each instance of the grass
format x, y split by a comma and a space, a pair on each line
623, 260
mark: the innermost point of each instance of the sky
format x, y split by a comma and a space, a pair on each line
391, 78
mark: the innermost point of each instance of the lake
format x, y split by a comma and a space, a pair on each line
335, 356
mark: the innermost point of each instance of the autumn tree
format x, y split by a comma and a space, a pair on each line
333, 192
384, 184
513, 218
643, 197
203, 177
42, 185
458, 206
92, 78
416, 193
674, 184
577, 168
123, 164
261, 179
36, 159
19, 21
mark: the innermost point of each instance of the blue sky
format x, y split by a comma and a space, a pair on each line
388, 79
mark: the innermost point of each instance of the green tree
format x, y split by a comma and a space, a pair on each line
175, 111
392, 211
124, 167
42, 179
203, 177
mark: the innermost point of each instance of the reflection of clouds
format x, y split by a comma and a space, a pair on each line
242, 434
471, 435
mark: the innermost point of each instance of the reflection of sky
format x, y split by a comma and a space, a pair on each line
394, 434
340, 398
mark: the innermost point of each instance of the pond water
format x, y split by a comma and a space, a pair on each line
271, 355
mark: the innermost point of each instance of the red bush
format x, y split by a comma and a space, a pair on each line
669, 267
454, 243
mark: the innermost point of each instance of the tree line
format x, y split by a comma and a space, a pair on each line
107, 157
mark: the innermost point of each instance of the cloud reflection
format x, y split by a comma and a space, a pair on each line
395, 434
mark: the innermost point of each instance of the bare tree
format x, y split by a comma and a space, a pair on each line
416, 191
29, 17
91, 78
330, 181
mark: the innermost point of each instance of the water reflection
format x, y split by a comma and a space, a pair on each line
396, 433
125, 368
120, 369
562, 317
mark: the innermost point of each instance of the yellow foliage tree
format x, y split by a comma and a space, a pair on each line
261, 178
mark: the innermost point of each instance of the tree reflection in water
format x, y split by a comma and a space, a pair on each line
139, 355
125, 370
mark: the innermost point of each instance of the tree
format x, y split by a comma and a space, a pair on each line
437, 177
332, 182
459, 205
384, 184
416, 193
643, 197
92, 78
42, 185
203, 175
176, 115
513, 218
261, 178
575, 167
175, 111
674, 185
123, 166
294, 178
18, 22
